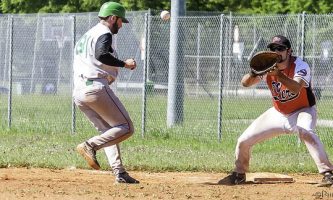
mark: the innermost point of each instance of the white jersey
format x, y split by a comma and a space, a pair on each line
85, 64
302, 70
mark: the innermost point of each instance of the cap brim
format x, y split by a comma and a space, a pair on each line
276, 45
125, 20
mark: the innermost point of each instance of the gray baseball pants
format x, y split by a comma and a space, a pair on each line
108, 115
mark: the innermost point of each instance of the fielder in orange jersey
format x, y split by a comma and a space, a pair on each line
293, 111
95, 68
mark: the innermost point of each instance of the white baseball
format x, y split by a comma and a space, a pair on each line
165, 15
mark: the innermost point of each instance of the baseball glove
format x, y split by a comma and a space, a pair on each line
263, 62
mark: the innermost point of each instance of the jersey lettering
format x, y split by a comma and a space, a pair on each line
280, 94
276, 87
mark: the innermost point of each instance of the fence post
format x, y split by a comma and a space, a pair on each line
227, 69
10, 71
33, 71
145, 73
220, 109
175, 103
303, 35
198, 58
73, 104
317, 87
302, 56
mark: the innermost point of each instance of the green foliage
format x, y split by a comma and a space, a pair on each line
268, 6
19, 6
310, 6
238, 6
146, 4
50, 6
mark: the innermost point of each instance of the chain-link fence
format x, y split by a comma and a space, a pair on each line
36, 70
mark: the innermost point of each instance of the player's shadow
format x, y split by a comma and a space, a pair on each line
226, 181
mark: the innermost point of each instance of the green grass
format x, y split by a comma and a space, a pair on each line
40, 136
154, 153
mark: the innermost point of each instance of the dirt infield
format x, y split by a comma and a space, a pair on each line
74, 184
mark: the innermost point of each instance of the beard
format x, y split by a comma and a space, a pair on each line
114, 29
283, 59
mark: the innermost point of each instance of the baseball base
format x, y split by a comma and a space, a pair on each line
266, 177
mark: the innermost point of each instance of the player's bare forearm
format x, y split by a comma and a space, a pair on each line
249, 79
294, 86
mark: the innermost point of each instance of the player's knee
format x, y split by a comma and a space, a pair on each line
242, 143
130, 128
130, 132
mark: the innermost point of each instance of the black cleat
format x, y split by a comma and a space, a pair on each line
125, 178
233, 179
327, 180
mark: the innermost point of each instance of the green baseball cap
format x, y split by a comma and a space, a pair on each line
113, 8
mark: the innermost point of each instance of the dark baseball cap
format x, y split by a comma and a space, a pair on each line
279, 40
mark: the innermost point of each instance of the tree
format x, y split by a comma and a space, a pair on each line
50, 6
18, 6
310, 6
236, 6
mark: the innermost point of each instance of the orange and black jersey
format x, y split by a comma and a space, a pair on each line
285, 101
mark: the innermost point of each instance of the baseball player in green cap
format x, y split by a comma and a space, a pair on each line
95, 67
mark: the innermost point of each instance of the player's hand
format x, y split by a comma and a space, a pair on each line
274, 72
130, 64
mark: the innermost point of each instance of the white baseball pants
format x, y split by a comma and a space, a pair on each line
273, 123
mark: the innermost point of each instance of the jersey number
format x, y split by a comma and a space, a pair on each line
81, 48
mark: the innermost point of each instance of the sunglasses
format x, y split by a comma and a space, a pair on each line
278, 48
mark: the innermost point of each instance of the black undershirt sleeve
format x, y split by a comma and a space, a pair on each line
103, 51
